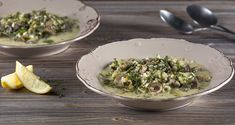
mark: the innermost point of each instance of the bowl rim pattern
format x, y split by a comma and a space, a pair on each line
204, 92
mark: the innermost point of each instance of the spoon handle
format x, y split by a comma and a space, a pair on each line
200, 29
226, 29
222, 29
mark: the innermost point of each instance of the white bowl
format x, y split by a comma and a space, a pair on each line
90, 65
89, 20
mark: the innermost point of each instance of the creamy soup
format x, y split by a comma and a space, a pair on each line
55, 39
157, 77
38, 27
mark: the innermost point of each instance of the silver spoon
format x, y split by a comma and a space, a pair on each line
178, 23
205, 18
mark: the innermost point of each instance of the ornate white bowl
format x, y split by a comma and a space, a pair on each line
88, 17
90, 65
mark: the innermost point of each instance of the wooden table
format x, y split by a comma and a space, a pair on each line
73, 104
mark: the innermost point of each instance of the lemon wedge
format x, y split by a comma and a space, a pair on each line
30, 80
12, 81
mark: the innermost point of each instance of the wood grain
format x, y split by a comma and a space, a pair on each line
121, 20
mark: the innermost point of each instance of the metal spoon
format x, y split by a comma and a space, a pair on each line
205, 17
178, 23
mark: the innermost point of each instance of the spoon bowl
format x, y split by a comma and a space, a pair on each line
202, 15
176, 22
206, 18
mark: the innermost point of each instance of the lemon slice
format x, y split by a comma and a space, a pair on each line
12, 81
30, 80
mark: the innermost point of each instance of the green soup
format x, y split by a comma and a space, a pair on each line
157, 77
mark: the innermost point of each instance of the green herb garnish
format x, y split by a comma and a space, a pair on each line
155, 75
48, 41
33, 26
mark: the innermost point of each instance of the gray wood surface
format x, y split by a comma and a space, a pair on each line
72, 103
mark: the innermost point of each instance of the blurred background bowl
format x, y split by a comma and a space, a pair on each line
89, 21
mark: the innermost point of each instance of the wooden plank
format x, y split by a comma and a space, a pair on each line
121, 20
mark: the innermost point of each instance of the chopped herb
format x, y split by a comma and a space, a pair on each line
33, 26
154, 75
48, 41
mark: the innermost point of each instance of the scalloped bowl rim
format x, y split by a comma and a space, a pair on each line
69, 41
204, 92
